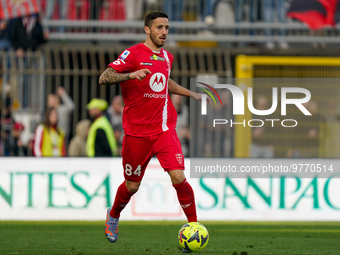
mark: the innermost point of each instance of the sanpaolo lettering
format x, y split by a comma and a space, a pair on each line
276, 193
58, 187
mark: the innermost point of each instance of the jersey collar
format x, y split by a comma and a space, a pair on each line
151, 51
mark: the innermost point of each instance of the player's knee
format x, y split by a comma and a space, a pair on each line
132, 186
177, 176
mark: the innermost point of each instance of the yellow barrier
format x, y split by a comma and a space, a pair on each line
249, 68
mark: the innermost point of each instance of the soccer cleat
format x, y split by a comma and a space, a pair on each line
111, 227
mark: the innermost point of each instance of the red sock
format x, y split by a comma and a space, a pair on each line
186, 199
123, 196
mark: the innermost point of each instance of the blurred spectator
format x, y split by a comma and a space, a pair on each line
115, 115
174, 9
6, 122
225, 12
95, 7
5, 43
119, 135
115, 112
30, 147
269, 9
51, 8
49, 139
64, 105
17, 147
222, 137
311, 134
261, 146
133, 9
217, 141
207, 11
182, 127
245, 11
100, 140
77, 147
27, 34
239, 15
318, 33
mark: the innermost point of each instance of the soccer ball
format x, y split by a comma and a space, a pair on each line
193, 237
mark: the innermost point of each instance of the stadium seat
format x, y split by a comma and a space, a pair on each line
43, 6
113, 10
78, 10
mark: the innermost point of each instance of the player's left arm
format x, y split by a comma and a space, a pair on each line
175, 88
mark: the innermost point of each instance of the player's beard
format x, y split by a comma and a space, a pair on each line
155, 41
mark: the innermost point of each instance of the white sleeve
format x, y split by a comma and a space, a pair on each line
68, 102
39, 132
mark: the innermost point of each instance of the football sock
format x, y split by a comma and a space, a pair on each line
186, 199
123, 196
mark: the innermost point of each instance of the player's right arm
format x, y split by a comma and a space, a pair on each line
111, 77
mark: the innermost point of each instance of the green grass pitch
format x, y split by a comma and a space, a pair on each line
233, 238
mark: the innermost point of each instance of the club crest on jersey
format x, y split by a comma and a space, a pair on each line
157, 82
124, 54
179, 158
155, 57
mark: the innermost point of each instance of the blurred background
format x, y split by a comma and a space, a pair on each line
53, 52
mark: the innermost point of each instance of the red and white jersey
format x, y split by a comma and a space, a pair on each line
148, 109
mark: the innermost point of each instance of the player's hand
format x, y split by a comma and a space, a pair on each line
198, 97
140, 74
61, 91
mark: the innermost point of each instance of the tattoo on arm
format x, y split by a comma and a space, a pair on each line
111, 77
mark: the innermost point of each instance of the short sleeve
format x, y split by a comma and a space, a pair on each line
124, 63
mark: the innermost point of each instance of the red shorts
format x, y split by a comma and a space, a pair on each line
137, 152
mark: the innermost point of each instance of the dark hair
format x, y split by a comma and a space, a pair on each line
46, 120
153, 15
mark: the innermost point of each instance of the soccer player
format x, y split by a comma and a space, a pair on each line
149, 118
